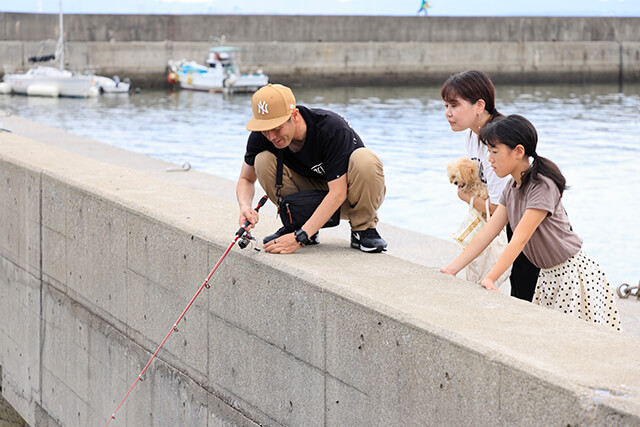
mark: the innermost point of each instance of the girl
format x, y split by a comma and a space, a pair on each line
469, 99
569, 280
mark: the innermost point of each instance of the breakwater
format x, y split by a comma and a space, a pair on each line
309, 50
98, 259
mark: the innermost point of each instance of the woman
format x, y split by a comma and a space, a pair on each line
469, 99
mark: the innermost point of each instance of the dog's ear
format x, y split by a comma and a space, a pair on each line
451, 170
469, 171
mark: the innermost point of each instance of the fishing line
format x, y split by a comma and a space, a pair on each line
245, 239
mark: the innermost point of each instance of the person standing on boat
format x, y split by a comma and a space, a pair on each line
319, 150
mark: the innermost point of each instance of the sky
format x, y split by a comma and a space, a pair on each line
334, 7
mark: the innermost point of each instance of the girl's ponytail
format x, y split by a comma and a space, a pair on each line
543, 166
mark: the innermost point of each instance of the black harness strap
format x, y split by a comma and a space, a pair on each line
279, 177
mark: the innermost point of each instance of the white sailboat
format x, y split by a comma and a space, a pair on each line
52, 81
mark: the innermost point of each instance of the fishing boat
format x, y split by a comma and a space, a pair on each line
221, 73
111, 85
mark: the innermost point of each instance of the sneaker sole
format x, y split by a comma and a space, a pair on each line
368, 250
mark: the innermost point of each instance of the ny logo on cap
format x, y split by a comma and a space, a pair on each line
263, 107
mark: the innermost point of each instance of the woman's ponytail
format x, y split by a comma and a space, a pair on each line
494, 113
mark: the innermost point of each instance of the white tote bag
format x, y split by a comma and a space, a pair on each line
470, 225
479, 267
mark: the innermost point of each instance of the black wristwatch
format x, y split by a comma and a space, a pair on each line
302, 237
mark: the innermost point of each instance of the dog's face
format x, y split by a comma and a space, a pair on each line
462, 172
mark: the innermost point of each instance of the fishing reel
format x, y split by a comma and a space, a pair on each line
248, 240
243, 236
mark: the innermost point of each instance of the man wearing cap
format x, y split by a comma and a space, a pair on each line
320, 150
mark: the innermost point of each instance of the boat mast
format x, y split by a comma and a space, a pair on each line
60, 46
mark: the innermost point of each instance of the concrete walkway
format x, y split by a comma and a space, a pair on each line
409, 245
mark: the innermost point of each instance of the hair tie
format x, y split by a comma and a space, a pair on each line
492, 111
534, 155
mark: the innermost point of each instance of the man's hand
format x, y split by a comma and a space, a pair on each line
249, 214
286, 244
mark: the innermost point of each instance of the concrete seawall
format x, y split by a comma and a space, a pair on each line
98, 260
341, 49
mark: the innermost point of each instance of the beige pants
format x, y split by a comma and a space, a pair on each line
365, 185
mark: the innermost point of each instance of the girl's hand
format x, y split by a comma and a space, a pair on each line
448, 270
489, 284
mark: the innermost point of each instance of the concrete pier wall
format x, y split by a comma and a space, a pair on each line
97, 261
339, 49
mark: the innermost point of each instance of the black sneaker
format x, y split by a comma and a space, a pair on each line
313, 240
368, 240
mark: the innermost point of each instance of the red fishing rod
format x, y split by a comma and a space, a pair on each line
245, 238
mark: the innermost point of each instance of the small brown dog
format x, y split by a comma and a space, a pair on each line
465, 173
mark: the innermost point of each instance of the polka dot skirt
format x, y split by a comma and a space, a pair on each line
580, 288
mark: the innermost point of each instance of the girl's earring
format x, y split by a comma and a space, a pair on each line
479, 116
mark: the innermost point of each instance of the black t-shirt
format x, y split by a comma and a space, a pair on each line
325, 154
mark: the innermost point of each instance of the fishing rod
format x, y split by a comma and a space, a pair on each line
245, 239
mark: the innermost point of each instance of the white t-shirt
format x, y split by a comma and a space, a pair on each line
480, 153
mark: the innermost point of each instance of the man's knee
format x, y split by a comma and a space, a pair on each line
365, 164
265, 163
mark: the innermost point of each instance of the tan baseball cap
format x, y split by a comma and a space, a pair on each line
272, 105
